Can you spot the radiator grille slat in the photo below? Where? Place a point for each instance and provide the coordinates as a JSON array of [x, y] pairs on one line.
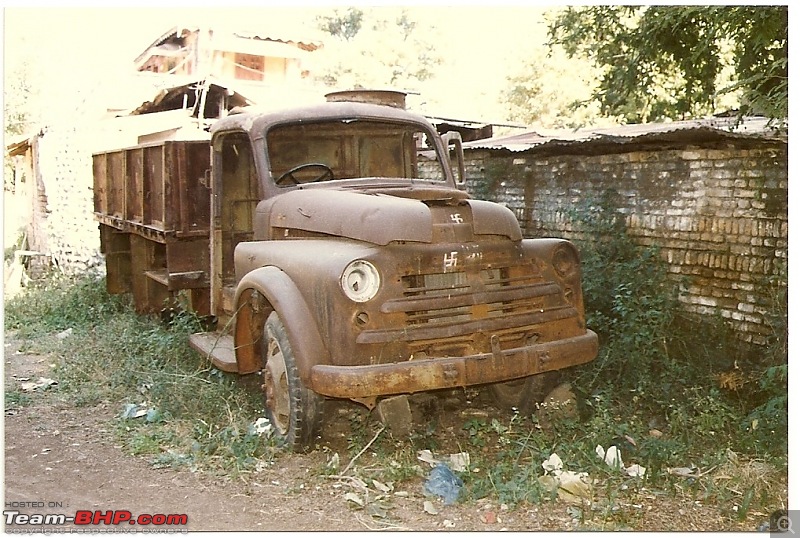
[[460, 297]]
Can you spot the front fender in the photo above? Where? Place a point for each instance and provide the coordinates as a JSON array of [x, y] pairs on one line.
[[283, 296]]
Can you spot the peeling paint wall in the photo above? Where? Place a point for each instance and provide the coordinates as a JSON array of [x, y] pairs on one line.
[[719, 215]]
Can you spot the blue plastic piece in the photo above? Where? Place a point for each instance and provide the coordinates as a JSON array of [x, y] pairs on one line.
[[444, 483]]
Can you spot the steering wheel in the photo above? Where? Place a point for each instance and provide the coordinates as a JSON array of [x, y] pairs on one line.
[[326, 174]]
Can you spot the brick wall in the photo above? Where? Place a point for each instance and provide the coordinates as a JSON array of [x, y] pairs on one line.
[[719, 214]]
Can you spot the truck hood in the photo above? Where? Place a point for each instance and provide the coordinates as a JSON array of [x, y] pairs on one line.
[[380, 218]]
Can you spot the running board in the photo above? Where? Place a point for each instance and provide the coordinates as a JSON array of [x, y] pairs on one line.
[[217, 347]]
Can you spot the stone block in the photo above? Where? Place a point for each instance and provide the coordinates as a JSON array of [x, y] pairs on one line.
[[395, 413]]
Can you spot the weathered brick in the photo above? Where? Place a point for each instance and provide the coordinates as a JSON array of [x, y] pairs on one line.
[[713, 214]]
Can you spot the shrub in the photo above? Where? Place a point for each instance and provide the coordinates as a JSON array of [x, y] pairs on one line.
[[659, 361]]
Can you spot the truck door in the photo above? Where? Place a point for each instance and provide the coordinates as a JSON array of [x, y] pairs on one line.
[[235, 196]]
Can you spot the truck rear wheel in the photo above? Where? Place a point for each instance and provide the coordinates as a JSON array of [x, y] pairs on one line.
[[294, 410], [523, 394]]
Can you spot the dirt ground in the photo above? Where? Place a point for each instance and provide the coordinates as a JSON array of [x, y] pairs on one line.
[[64, 458]]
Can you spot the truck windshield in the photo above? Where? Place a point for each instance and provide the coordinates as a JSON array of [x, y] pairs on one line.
[[347, 149]]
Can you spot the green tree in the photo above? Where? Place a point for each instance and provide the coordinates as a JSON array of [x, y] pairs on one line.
[[18, 110], [344, 25], [681, 61], [374, 48], [549, 91], [18, 93]]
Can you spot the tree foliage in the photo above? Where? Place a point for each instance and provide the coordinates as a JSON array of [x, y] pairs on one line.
[[549, 91], [375, 47], [17, 103], [343, 25], [681, 61]]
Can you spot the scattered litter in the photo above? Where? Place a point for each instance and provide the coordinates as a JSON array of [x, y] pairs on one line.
[[134, 411], [262, 427], [354, 498], [635, 470], [429, 508], [43, 383], [552, 464], [333, 462], [656, 433], [458, 462], [685, 472], [570, 486], [64, 334], [153, 415], [386, 488], [612, 456], [448, 524], [613, 459], [427, 457], [444, 483]]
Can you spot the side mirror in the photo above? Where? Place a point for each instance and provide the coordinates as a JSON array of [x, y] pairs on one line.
[[455, 151]]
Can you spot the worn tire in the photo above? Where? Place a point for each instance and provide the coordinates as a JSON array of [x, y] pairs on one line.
[[524, 394], [294, 410]]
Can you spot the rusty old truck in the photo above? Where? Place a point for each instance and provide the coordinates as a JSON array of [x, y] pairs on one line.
[[338, 253]]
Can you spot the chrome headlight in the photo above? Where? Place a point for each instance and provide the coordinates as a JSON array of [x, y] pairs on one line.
[[360, 281]]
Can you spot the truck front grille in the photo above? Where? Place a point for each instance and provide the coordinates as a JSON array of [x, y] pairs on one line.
[[456, 313], [446, 298]]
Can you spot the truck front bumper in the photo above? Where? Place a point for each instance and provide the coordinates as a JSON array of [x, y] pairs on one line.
[[451, 372]]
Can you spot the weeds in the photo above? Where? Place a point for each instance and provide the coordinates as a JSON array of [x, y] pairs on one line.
[[115, 356], [652, 391], [663, 365]]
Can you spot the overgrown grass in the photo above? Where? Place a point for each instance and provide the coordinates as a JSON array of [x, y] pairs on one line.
[[200, 416], [663, 365], [654, 390]]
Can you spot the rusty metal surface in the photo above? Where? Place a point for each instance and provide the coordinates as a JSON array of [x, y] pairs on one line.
[[452, 372], [257, 122], [392, 98], [459, 297], [354, 215]]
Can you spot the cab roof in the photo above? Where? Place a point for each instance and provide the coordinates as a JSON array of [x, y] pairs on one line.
[[258, 121]]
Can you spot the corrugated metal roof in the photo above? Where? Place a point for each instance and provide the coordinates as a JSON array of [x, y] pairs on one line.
[[670, 132], [287, 36]]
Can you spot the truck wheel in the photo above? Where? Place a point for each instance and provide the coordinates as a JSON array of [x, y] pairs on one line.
[[523, 394], [293, 410]]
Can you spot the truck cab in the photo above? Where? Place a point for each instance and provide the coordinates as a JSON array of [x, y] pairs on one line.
[[346, 260]]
